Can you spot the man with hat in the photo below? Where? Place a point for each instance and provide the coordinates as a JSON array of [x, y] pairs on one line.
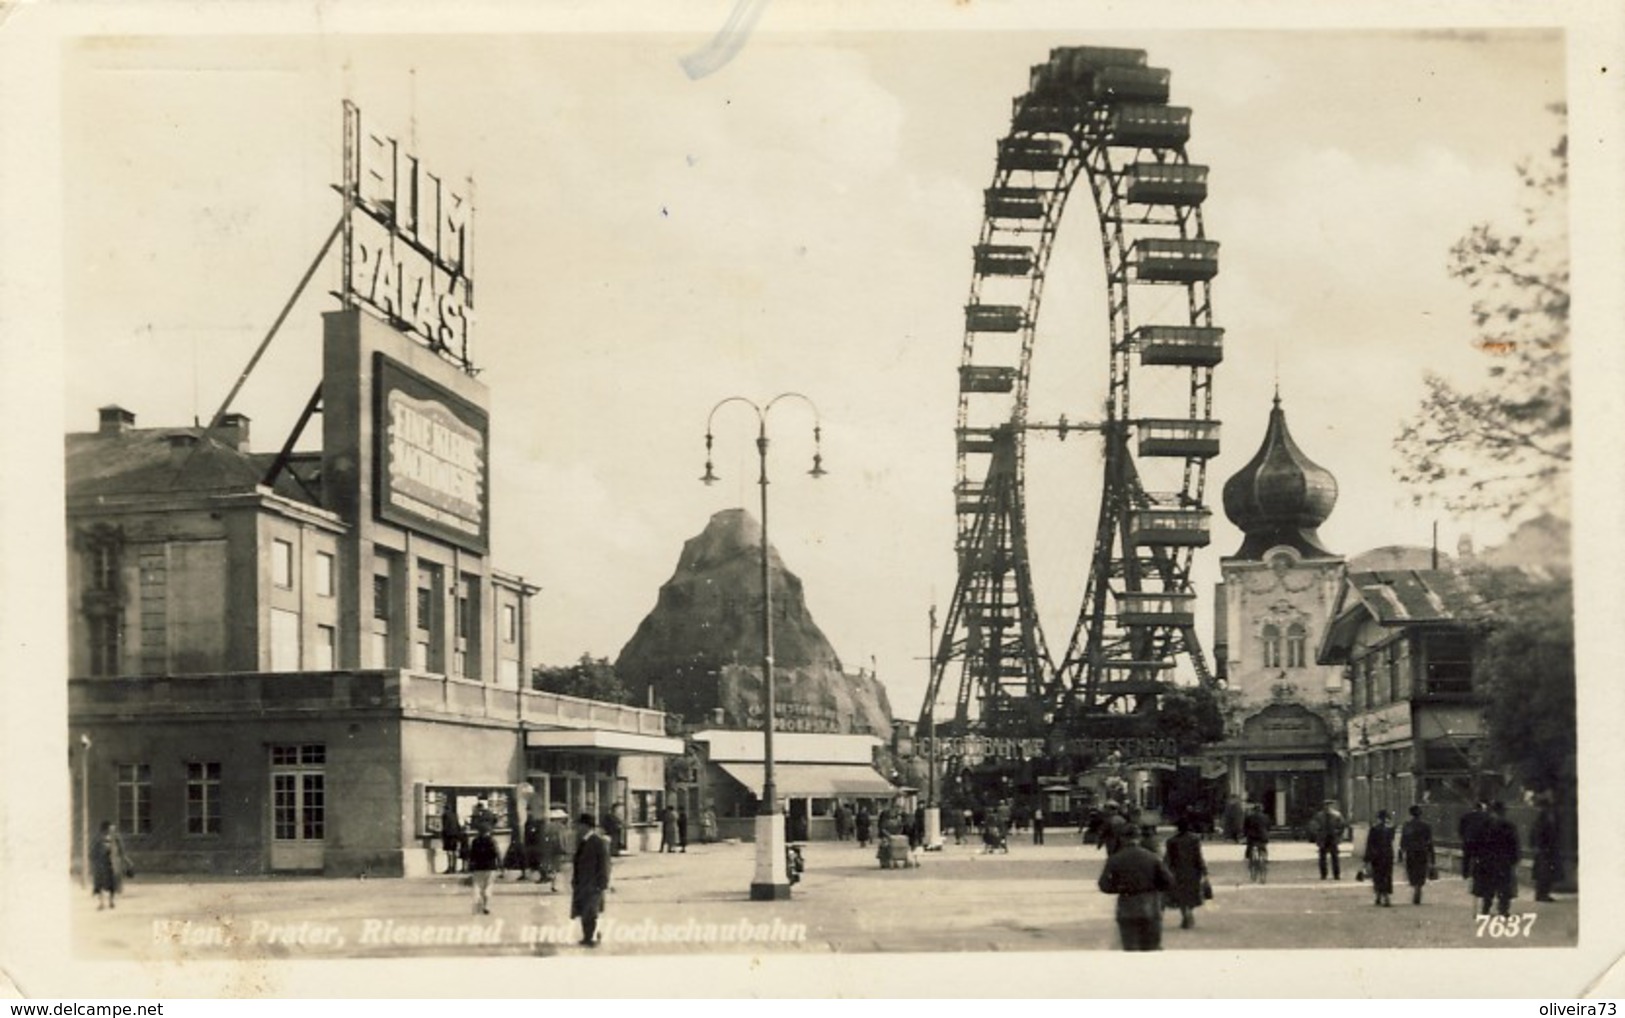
[[1139, 879], [1327, 828], [1495, 862], [590, 877], [1112, 827]]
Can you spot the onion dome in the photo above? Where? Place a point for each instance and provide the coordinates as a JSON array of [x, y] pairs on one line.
[[1281, 496]]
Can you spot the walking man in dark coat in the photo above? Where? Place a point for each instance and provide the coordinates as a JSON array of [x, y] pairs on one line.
[[668, 830], [1183, 853], [1327, 827], [1416, 849], [590, 878], [1495, 862], [1139, 879], [453, 842], [535, 827], [1379, 858]]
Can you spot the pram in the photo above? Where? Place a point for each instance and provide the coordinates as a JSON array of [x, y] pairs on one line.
[[994, 838]]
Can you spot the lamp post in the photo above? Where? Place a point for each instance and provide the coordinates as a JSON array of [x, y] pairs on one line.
[[84, 808], [933, 809], [771, 881]]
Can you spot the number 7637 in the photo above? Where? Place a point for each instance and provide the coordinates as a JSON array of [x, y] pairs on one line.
[[1506, 925]]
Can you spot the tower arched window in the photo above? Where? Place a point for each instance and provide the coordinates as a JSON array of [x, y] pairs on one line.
[[1271, 637], [1297, 639]]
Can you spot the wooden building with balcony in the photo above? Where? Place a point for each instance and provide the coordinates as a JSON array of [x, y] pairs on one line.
[[1407, 642]]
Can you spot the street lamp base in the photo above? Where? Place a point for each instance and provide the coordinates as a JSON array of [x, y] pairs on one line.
[[933, 827], [771, 881], [769, 892]]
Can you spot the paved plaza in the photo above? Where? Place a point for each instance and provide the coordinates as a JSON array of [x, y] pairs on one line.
[[1035, 898]]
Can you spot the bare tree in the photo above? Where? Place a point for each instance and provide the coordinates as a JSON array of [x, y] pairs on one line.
[[1505, 446]]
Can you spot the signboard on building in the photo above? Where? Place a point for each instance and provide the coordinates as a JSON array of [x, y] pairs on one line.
[[407, 241], [433, 458], [797, 717]]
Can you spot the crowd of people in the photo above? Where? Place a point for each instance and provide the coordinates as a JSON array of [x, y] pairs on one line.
[[1145, 882]]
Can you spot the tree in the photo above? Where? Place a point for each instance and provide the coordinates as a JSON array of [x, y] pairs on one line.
[[1505, 446], [589, 678], [1526, 670], [1191, 715]]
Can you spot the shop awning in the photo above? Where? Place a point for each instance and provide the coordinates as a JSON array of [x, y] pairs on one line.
[[821, 781], [586, 740]]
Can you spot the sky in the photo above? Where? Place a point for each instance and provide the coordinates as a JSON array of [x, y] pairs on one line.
[[647, 243]]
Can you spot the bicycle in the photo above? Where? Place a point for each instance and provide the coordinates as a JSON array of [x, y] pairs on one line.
[[1258, 861]]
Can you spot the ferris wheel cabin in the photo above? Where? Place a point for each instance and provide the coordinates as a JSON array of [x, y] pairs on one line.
[[1039, 155], [1004, 259], [1017, 202], [1174, 260], [1179, 345], [1178, 184], [986, 378], [1146, 126], [1170, 528], [994, 318], [978, 439], [1178, 437], [1148, 608]]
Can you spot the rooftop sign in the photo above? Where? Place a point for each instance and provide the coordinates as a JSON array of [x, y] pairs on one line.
[[407, 241]]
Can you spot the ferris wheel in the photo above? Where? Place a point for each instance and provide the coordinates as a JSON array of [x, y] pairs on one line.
[[1098, 116]]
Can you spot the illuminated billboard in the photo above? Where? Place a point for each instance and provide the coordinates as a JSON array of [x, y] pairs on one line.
[[433, 458]]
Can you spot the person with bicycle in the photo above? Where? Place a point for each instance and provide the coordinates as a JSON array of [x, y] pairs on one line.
[[1255, 831]]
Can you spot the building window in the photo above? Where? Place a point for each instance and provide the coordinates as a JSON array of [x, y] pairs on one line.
[[425, 612], [135, 798], [323, 653], [510, 623], [105, 643], [310, 754], [103, 561], [324, 574], [203, 798], [465, 621], [284, 640], [1296, 640], [1391, 664], [1368, 676], [380, 598], [1272, 646], [282, 564], [299, 792], [1449, 663]]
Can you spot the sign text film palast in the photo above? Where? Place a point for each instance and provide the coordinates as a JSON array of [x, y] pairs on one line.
[[407, 256]]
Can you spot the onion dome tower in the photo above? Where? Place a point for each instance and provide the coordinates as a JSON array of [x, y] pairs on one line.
[[1281, 496]]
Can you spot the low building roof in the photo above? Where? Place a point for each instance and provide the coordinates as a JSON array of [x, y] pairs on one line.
[[1396, 598], [160, 461]]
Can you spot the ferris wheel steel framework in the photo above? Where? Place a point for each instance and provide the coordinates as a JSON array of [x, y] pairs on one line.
[[1102, 116]]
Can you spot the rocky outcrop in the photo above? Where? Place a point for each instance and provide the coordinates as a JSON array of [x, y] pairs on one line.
[[699, 652]]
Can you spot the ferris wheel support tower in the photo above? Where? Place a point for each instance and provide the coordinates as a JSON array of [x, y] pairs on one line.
[[1100, 117]]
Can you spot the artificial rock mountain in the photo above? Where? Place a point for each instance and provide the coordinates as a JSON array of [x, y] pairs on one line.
[[700, 650]]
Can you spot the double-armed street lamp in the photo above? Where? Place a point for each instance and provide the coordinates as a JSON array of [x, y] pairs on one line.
[[771, 881]]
